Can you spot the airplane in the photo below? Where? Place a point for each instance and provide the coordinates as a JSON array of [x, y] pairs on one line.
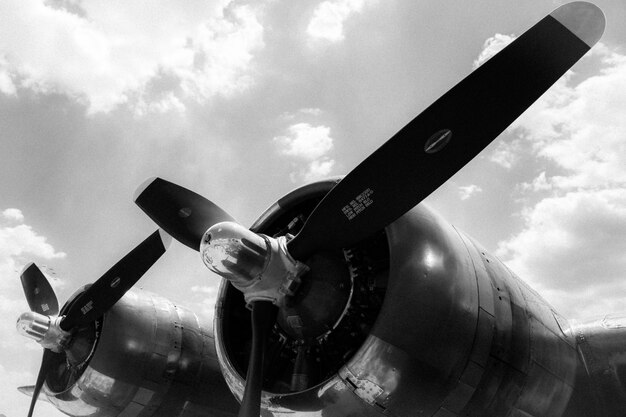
[[346, 297]]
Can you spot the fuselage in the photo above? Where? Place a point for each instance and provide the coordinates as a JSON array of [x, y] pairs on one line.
[[457, 334]]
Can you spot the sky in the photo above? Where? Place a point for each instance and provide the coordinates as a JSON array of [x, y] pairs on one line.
[[244, 101]]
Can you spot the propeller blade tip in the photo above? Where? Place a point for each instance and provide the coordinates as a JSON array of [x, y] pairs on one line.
[[142, 188], [585, 20], [26, 267]]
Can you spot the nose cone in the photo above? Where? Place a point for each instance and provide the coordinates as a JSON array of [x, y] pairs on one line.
[[33, 325], [234, 252]]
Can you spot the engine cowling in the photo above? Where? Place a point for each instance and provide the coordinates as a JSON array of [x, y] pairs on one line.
[[145, 356], [431, 324]]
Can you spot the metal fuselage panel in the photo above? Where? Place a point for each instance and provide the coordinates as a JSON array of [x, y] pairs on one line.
[[601, 382], [459, 334], [153, 358]]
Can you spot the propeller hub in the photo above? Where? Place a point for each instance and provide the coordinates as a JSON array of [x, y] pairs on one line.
[[257, 265], [45, 330]]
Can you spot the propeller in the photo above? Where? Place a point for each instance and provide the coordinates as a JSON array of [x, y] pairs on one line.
[[402, 172], [39, 294], [111, 286], [54, 333], [182, 213]]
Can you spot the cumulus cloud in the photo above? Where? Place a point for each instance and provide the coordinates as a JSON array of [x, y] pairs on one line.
[[19, 245], [18, 241], [309, 146], [573, 243], [305, 141], [13, 214], [467, 191], [108, 55], [330, 16], [492, 46], [6, 80]]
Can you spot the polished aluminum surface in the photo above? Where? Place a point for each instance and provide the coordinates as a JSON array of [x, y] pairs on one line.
[[152, 358], [45, 330]]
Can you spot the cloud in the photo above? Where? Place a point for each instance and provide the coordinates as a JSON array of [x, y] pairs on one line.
[[506, 154], [572, 246], [13, 214], [492, 46], [308, 145], [467, 191], [106, 56], [6, 79], [305, 141], [329, 17], [19, 241]]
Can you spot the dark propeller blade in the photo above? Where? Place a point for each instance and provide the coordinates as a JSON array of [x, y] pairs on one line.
[[39, 294], [182, 213], [109, 288], [263, 319], [448, 134], [46, 363]]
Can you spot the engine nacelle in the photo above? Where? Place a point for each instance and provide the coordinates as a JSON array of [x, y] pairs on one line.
[[432, 325], [145, 356]]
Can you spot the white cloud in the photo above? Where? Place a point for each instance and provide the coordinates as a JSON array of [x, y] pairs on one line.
[[572, 247], [492, 46], [316, 170], [305, 141], [108, 55], [329, 17], [467, 191], [13, 214], [540, 183], [310, 146], [19, 241], [574, 244], [6, 80], [506, 154]]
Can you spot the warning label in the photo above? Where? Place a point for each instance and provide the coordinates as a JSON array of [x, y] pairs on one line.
[[359, 204]]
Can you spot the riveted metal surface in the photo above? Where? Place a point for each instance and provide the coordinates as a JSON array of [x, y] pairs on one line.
[[530, 357], [544, 393], [149, 355], [602, 346], [431, 312]]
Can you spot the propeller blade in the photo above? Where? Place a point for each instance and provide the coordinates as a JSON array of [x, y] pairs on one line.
[[263, 319], [39, 294], [109, 288], [46, 363], [451, 132], [182, 213]]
